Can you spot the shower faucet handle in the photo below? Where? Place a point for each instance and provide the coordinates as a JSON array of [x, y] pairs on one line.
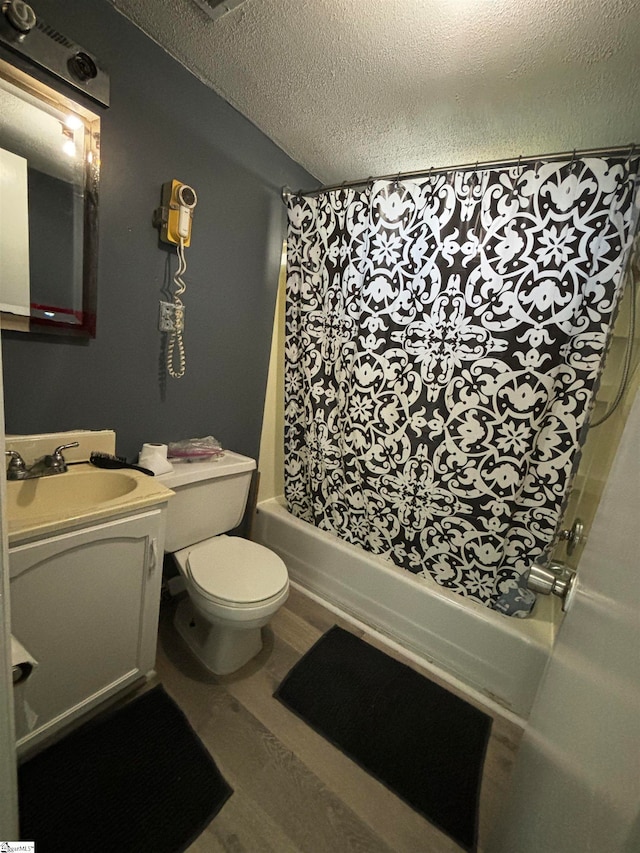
[[574, 536]]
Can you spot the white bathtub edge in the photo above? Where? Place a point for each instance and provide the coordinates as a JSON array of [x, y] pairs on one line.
[[493, 708], [500, 659]]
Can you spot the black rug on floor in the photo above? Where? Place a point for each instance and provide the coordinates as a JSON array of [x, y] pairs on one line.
[[415, 737], [137, 780]]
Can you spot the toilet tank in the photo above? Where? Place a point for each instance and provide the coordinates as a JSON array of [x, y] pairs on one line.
[[210, 498]]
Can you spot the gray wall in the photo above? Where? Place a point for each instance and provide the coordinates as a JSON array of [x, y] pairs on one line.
[[163, 124]]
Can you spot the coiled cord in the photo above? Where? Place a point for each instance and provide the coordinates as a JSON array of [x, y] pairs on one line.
[[176, 340]]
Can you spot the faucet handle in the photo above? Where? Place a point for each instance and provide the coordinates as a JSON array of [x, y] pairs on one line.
[[57, 453], [16, 462], [57, 461]]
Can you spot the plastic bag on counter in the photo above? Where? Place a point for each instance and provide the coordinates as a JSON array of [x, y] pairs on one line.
[[195, 449]]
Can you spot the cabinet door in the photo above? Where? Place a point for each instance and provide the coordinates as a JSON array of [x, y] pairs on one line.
[[85, 605]]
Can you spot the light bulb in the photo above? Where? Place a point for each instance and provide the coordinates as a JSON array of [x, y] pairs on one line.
[[73, 122]]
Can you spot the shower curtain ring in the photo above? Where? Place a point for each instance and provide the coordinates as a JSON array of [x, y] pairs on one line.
[[431, 187], [516, 180], [572, 164], [632, 149]]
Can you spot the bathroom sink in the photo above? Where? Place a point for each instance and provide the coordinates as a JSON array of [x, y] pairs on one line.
[[83, 492], [44, 494]]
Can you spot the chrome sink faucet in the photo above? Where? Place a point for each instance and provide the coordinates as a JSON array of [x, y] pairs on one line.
[[53, 463]]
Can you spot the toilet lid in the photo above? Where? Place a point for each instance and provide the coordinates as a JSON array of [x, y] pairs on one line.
[[236, 570]]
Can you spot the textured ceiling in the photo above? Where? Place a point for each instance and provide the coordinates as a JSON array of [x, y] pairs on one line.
[[352, 88]]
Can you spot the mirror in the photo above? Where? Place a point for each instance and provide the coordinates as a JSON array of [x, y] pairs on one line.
[[49, 174]]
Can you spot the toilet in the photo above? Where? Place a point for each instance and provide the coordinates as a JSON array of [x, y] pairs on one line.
[[234, 586]]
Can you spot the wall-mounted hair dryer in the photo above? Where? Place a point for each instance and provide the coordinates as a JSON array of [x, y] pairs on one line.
[[175, 214], [174, 218], [187, 200]]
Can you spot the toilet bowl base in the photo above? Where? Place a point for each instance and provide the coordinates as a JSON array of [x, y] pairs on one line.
[[222, 649]]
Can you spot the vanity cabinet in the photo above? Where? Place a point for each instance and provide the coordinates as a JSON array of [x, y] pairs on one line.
[[85, 605]]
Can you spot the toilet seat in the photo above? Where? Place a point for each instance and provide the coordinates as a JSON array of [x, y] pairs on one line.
[[235, 572]]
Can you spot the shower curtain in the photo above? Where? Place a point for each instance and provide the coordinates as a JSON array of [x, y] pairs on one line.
[[444, 338]]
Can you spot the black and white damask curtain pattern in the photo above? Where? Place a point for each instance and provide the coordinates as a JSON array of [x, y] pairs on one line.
[[444, 337]]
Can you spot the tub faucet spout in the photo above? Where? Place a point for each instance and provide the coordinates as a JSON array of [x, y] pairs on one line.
[[554, 578]]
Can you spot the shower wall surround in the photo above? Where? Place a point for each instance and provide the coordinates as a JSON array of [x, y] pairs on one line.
[[444, 339]]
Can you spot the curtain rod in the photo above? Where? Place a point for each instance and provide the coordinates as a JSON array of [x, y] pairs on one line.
[[465, 167]]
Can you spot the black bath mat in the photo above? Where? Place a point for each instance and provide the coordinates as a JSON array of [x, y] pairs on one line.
[[415, 737], [137, 780]]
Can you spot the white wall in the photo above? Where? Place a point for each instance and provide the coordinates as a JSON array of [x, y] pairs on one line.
[[8, 776], [576, 785]]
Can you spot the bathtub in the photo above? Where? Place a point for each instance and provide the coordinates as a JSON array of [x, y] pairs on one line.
[[500, 657]]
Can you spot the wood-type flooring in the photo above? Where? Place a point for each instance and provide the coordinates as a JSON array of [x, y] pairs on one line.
[[293, 791]]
